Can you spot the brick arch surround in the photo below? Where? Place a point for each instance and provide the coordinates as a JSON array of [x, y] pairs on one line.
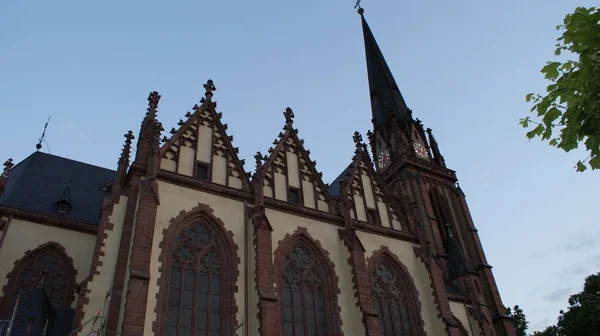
[[228, 250], [47, 248], [410, 290], [332, 308]]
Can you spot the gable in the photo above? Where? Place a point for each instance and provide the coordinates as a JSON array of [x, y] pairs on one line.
[[202, 149], [289, 175], [365, 193]]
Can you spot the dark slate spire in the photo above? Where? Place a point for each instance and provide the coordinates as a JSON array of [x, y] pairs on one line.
[[386, 99]]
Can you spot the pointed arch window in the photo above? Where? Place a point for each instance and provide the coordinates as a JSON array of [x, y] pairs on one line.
[[390, 302], [49, 268], [395, 297], [303, 294], [195, 284]]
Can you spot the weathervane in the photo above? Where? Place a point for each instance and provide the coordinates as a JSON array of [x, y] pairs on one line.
[[357, 4], [43, 138]]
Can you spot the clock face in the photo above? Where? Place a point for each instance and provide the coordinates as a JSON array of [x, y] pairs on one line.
[[384, 159], [421, 150]]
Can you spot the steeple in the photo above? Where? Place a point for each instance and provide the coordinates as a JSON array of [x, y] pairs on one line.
[[386, 99]]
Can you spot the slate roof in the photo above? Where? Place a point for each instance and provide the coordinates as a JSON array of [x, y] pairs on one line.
[[39, 181], [335, 187]]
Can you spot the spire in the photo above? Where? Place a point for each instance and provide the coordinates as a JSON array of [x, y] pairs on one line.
[[123, 163], [386, 99]]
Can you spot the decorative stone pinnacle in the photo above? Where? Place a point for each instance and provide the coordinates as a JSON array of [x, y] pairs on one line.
[[7, 166], [357, 138], [259, 158], [210, 88], [129, 136], [289, 116], [154, 98]]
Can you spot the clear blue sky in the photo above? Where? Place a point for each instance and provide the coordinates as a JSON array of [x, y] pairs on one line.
[[464, 68]]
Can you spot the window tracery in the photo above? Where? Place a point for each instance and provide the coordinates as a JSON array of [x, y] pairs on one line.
[[49, 271], [303, 294], [194, 293], [390, 301]]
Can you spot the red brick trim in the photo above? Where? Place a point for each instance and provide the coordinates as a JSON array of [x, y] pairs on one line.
[[4, 226], [332, 290], [12, 276], [461, 326], [361, 282], [410, 290], [268, 308], [105, 224], [118, 290], [229, 254]]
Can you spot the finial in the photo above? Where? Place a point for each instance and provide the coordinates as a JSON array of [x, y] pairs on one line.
[[289, 116], [357, 138], [360, 9], [126, 147], [210, 88], [153, 99], [259, 158], [7, 166]]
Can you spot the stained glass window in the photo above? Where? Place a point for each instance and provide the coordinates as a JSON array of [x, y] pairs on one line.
[[49, 271], [390, 302], [194, 293], [302, 294]]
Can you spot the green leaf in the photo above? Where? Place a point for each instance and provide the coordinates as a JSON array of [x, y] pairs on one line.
[[536, 131], [580, 166], [595, 162], [524, 122], [528, 97], [552, 114], [551, 70], [554, 142]]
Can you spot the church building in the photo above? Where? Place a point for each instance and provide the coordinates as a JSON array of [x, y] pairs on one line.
[[181, 240]]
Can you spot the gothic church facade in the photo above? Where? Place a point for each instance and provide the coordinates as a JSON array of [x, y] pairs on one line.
[[183, 241]]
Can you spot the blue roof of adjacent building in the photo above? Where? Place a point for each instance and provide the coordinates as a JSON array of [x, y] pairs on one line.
[[37, 183], [335, 187]]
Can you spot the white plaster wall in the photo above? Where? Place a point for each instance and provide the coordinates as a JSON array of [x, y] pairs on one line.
[[102, 282], [460, 312], [404, 251], [328, 236], [175, 199], [22, 236]]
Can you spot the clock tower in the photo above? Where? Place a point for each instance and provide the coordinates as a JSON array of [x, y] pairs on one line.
[[410, 165]]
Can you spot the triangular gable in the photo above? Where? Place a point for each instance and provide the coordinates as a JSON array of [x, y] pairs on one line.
[[289, 175], [364, 190], [202, 149]]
